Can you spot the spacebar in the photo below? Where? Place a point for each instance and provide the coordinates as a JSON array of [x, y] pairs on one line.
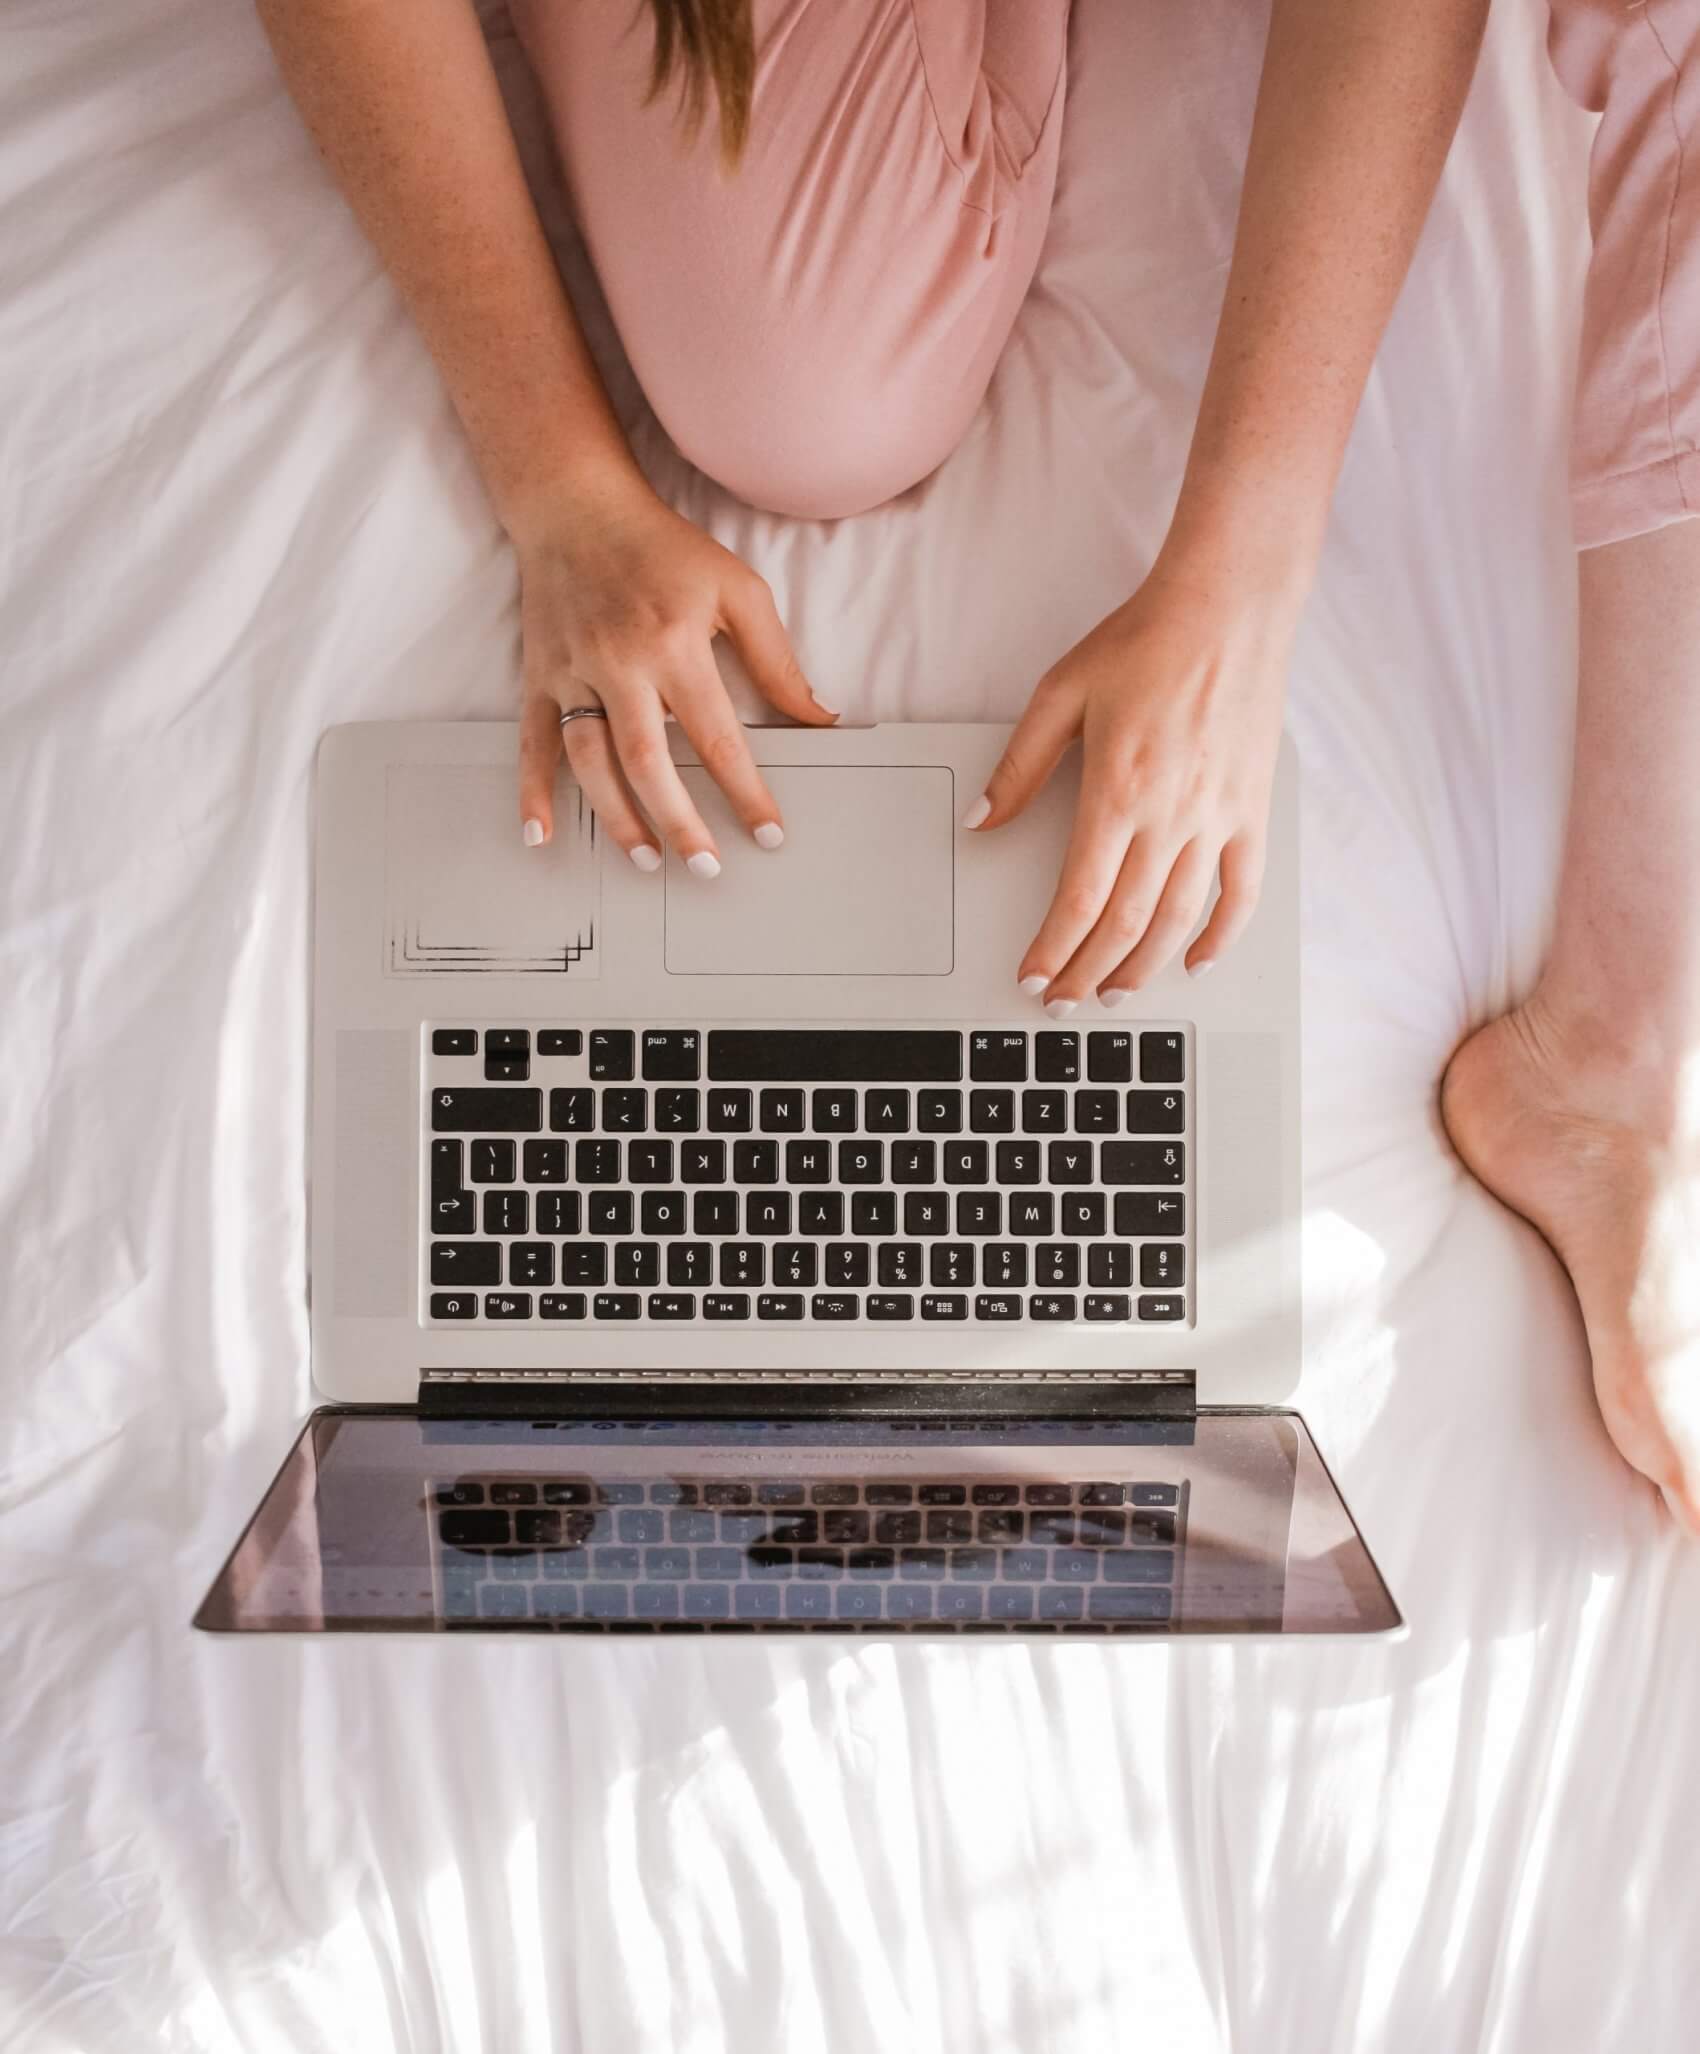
[[833, 1055]]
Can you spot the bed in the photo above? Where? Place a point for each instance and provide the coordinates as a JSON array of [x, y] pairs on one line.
[[234, 509]]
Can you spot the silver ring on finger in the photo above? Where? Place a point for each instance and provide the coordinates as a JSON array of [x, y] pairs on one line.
[[583, 713]]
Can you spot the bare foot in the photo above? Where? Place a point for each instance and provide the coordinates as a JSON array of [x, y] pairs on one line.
[[1598, 1160]]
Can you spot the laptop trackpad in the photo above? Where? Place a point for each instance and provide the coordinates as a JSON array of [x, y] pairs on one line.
[[863, 887]]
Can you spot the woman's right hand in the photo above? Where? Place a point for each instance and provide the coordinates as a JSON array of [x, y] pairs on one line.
[[620, 602]]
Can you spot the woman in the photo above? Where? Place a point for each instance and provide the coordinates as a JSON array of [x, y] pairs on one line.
[[813, 269]]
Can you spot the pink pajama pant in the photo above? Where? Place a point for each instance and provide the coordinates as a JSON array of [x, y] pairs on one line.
[[817, 330]]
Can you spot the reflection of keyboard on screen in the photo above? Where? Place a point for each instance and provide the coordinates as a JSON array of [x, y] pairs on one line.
[[668, 1175], [679, 1552]]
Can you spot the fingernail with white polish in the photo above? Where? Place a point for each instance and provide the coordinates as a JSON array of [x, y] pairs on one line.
[[769, 835], [1199, 969], [1113, 997], [1060, 1008], [533, 833], [702, 864], [977, 812], [646, 858], [1033, 985]]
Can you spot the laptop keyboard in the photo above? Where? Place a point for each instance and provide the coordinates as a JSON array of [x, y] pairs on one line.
[[668, 1175], [996, 1552]]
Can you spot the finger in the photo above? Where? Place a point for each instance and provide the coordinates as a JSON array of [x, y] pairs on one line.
[[1103, 828], [1044, 731], [539, 755], [758, 634], [702, 708], [640, 741], [1176, 914], [590, 758], [1242, 882], [1132, 900]]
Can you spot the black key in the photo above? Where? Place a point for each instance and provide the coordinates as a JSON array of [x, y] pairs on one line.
[[1162, 1308], [890, 1305], [617, 1305], [649, 1162], [742, 1263], [506, 1069], [1018, 1162], [779, 1305], [943, 1494], [507, 1305], [730, 1112], [1114, 1305], [938, 1112], [956, 1525], [1143, 1162], [991, 1112], [1005, 1601], [672, 1055], [493, 1162], [784, 1112], [1044, 1112], [834, 1055], [926, 1212], [861, 1162], [820, 1213], [794, 1264], [531, 1262], [560, 1041], [562, 1305], [847, 1265], [1004, 1266], [610, 1212], [1070, 1162], [1109, 1057], [447, 1159], [1149, 1213], [454, 1041], [1142, 1607], [714, 1212], [914, 1162], [1083, 1212], [885, 1112], [830, 1305], [996, 1305], [1156, 1112], [767, 1212], [572, 1112], [808, 1162], [703, 1162], [979, 1212], [755, 1162], [725, 1305], [678, 1111], [596, 1162], [934, 1306], [637, 1263], [1153, 1494], [454, 1213], [1053, 1306], [873, 1212], [545, 1162], [473, 1529], [672, 1305], [1048, 1494], [900, 1262], [506, 1212], [1097, 1112], [1032, 1214], [875, 1493], [1073, 1565], [994, 1494], [486, 1109], [966, 1162], [1162, 1267], [584, 1262], [1162, 1058], [613, 1054], [453, 1304], [951, 1263], [625, 1111], [1056, 1058], [833, 1112], [997, 1058], [1056, 1266], [690, 1262]]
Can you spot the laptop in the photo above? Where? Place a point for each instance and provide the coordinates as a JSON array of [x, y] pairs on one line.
[[749, 1256]]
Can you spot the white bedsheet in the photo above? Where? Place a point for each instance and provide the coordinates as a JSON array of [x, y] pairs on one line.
[[234, 509]]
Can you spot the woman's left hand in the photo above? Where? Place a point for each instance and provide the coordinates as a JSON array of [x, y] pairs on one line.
[[1177, 699]]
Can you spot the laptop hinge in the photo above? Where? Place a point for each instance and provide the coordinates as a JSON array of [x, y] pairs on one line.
[[806, 1394]]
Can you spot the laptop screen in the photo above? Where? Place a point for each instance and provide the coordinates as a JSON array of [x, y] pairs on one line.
[[1226, 1523]]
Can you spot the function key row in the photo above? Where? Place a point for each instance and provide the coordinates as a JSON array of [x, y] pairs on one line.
[[789, 1305]]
